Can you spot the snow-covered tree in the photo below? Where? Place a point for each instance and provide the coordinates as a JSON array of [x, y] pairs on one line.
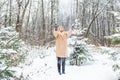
[[10, 51], [80, 54]]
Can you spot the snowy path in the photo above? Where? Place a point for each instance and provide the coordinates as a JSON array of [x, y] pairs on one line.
[[46, 69]]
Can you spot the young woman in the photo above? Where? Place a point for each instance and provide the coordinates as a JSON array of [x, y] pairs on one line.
[[61, 47]]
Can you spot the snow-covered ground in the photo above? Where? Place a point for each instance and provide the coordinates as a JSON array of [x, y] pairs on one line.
[[37, 67]]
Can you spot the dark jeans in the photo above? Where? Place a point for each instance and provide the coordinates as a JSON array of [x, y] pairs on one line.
[[61, 64]]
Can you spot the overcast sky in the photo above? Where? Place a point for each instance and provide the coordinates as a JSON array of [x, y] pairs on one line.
[[65, 6]]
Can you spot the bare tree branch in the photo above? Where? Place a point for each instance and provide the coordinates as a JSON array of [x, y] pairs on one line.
[[95, 18]]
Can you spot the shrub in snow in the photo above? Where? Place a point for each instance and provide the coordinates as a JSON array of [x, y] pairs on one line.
[[114, 56], [10, 51], [115, 39], [80, 54], [116, 67]]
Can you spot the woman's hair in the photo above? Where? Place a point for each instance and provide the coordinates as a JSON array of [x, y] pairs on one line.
[[61, 28]]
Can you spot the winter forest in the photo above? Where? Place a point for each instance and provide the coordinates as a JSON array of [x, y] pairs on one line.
[[27, 42]]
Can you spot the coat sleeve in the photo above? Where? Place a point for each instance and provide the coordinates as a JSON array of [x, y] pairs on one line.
[[69, 32], [55, 33]]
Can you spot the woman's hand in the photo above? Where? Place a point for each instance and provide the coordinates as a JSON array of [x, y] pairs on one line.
[[72, 27], [56, 27]]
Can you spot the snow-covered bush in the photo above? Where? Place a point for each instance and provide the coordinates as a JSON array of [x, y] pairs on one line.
[[80, 54], [114, 38], [10, 51], [111, 53], [114, 56]]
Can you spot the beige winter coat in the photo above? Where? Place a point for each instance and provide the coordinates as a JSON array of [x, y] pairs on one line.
[[61, 42]]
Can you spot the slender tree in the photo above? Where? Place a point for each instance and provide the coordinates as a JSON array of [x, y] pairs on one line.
[[43, 23], [10, 12]]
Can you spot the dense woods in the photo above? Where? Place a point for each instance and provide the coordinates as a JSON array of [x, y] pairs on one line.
[[35, 19], [27, 44]]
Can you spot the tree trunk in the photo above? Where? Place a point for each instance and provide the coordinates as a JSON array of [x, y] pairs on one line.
[[97, 14], [43, 25], [77, 9], [5, 22], [10, 12], [18, 24], [52, 20]]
